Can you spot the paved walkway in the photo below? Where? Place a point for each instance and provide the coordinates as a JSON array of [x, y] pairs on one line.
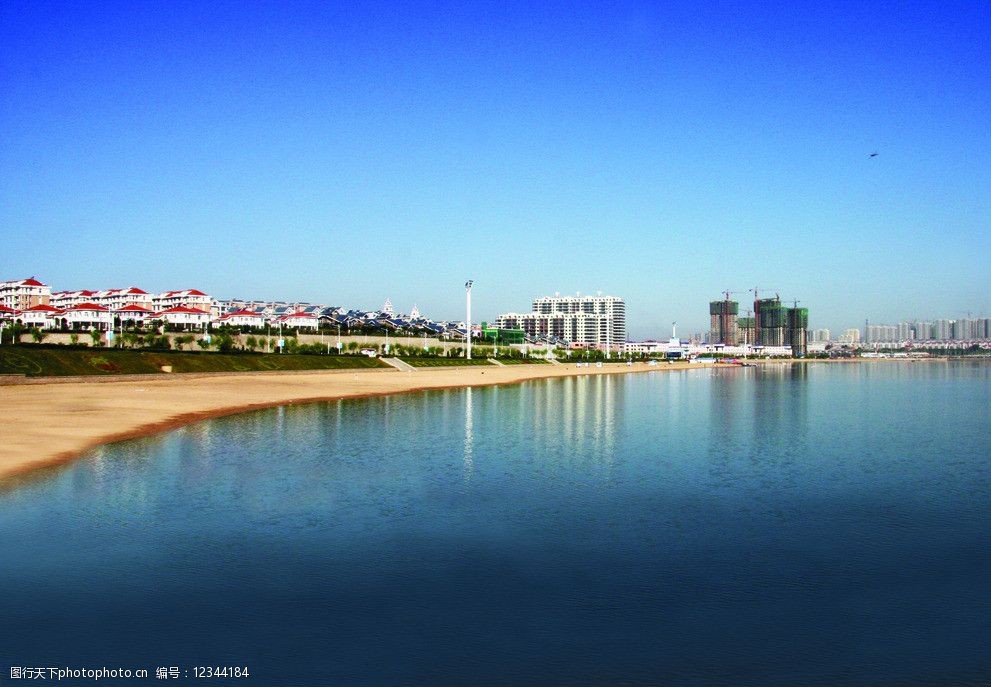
[[399, 364]]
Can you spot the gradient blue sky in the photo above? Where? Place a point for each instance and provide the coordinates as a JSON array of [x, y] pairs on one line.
[[349, 152]]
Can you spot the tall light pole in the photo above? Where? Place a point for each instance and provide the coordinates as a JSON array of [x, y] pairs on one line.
[[468, 323]]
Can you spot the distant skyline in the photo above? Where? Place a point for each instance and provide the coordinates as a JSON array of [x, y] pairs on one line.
[[352, 153]]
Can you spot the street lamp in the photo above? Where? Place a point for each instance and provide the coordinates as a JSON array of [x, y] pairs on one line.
[[468, 323]]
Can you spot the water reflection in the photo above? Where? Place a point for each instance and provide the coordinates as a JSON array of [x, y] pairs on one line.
[[577, 417], [469, 437]]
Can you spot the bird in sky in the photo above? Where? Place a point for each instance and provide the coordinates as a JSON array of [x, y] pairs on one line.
[[874, 154]]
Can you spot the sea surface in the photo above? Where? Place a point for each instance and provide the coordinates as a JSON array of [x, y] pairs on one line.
[[788, 525]]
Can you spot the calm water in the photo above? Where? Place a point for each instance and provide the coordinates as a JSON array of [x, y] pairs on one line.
[[820, 525]]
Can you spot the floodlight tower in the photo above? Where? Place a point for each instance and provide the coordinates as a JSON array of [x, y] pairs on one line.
[[468, 320]]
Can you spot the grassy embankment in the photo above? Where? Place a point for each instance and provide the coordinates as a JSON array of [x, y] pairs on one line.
[[523, 361], [462, 362], [40, 361], [445, 362]]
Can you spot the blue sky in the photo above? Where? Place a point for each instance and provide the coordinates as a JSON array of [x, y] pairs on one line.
[[349, 152]]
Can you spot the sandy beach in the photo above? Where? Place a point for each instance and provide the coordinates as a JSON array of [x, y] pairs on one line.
[[54, 422]]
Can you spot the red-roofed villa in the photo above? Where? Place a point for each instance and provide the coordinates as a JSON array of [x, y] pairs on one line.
[[297, 320], [41, 316], [87, 316], [183, 317], [241, 318]]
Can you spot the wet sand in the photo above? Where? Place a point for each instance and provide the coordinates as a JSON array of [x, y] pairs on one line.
[[49, 423]]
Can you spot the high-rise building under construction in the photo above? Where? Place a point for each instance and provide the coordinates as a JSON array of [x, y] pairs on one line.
[[723, 322], [773, 324]]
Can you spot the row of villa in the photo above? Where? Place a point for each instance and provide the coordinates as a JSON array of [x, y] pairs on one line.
[[32, 303]]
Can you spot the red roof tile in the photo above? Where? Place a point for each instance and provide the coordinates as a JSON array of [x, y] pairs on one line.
[[88, 306], [241, 313], [181, 309]]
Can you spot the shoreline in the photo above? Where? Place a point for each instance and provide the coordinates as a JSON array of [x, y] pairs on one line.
[[53, 422]]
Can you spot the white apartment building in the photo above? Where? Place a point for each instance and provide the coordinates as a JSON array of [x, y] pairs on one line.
[[590, 320], [116, 299], [22, 294], [578, 328], [187, 298], [68, 299]]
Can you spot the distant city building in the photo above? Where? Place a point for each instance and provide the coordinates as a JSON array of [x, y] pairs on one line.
[[880, 333], [943, 330], [591, 320], [820, 336], [961, 330], [850, 336]]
